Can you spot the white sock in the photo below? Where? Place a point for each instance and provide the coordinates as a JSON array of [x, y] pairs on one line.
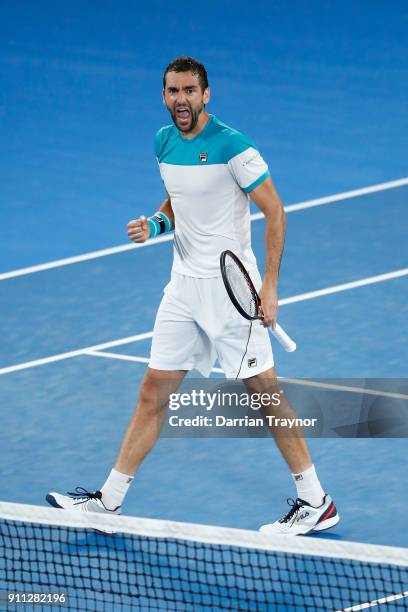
[[308, 487], [115, 489]]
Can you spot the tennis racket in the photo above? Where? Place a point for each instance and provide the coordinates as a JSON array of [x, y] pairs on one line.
[[244, 296]]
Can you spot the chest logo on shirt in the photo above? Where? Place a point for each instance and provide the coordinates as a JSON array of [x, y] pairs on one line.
[[203, 157]]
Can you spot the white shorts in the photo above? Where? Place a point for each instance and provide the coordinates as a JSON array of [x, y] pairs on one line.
[[197, 322]]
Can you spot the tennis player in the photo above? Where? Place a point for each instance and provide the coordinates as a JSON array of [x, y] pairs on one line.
[[209, 171]]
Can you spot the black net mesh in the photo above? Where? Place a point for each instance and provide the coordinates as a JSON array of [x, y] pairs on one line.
[[135, 572]]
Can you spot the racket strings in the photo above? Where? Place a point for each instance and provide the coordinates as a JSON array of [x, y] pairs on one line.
[[242, 290]]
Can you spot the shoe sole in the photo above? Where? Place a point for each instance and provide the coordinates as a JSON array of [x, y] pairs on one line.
[[328, 524]]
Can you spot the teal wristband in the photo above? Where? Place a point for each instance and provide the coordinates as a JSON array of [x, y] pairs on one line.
[[159, 224]]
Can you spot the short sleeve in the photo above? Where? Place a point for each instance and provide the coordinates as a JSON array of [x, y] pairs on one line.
[[158, 144], [246, 163], [159, 147], [161, 176]]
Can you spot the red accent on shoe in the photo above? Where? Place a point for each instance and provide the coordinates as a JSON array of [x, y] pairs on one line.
[[331, 510]]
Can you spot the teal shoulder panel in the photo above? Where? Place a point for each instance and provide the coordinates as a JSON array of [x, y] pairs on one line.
[[161, 138], [234, 142], [217, 143]]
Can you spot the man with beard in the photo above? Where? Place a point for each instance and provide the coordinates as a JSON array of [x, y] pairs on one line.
[[208, 170]]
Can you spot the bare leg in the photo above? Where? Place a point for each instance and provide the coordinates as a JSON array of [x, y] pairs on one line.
[[292, 446], [146, 422]]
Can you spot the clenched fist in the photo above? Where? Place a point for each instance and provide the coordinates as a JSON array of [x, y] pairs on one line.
[[138, 230]]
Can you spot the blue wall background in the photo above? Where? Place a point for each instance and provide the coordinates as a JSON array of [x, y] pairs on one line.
[[320, 86]]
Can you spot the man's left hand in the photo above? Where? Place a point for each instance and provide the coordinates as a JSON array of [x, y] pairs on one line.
[[269, 303]]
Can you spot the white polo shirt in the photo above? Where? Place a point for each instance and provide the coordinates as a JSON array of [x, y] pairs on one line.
[[208, 179]]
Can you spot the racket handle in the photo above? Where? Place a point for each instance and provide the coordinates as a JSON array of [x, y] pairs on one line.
[[282, 337]]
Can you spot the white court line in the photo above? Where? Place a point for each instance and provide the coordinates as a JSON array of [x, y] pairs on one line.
[[338, 197], [291, 300], [122, 357], [375, 602], [58, 263], [119, 356], [370, 280], [291, 381], [77, 353], [348, 389], [154, 241]]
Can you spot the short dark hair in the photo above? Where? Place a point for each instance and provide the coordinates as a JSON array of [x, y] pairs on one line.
[[184, 63]]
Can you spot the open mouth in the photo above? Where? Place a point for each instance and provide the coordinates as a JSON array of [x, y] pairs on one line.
[[183, 114]]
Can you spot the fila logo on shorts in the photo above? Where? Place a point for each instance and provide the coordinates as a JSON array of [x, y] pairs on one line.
[[252, 362]]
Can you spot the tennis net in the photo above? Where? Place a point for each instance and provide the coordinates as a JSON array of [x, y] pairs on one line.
[[161, 565]]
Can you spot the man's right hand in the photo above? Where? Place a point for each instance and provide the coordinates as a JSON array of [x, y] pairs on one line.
[[138, 230]]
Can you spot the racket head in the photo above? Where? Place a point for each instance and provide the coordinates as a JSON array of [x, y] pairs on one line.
[[239, 286]]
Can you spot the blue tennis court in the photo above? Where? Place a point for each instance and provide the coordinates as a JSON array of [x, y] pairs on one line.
[[74, 410], [324, 100]]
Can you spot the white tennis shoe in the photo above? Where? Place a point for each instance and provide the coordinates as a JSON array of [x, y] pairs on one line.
[[303, 518], [81, 500]]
